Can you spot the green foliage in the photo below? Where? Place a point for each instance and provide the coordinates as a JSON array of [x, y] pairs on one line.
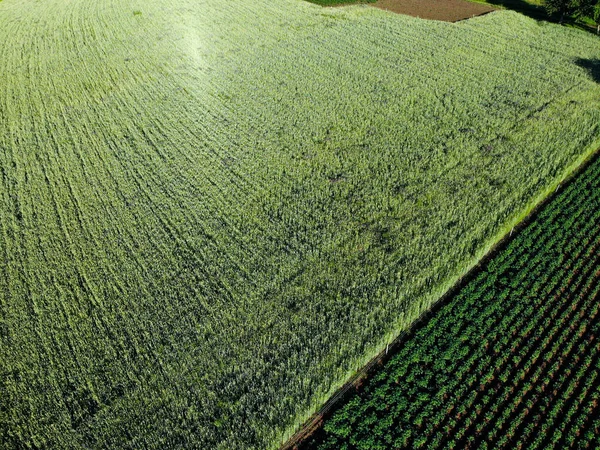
[[596, 13], [576, 8], [537, 390], [212, 213]]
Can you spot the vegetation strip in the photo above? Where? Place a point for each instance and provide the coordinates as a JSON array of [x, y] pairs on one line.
[[511, 358]]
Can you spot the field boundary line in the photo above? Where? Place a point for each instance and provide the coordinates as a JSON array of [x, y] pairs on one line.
[[524, 219]]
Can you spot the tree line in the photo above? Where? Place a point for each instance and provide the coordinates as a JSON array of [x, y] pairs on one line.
[[575, 9]]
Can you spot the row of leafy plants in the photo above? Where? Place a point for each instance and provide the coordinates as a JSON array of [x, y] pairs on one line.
[[510, 361]]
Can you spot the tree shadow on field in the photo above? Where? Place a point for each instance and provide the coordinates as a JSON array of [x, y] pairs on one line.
[[592, 66], [536, 12]]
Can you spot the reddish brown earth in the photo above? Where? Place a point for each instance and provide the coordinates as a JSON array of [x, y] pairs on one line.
[[446, 10]]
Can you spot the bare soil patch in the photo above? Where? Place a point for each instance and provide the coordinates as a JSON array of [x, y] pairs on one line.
[[446, 10]]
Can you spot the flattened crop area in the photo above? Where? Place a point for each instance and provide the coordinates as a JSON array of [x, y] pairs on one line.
[[513, 361], [213, 212]]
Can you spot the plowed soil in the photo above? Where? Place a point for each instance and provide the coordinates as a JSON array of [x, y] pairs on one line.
[[446, 10]]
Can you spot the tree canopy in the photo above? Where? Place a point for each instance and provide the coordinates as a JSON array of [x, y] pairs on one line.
[[575, 8]]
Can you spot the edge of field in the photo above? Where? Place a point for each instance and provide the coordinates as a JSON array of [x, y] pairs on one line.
[[389, 347]]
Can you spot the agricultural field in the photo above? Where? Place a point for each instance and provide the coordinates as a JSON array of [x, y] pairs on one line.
[[446, 10], [212, 213], [511, 361]]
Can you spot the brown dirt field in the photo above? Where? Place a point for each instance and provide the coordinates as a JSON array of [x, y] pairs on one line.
[[446, 10]]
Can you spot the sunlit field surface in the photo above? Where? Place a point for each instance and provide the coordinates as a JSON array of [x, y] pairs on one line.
[[213, 212]]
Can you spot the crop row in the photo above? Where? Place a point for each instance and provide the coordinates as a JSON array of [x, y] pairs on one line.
[[513, 360]]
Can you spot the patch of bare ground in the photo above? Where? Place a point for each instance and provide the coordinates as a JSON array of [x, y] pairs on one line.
[[446, 10]]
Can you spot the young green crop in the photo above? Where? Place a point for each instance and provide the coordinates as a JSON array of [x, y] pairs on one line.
[[457, 378], [213, 212]]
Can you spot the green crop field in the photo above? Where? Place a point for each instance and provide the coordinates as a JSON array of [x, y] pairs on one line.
[[213, 212], [512, 361]]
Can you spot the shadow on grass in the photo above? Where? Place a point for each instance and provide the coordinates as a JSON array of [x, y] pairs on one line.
[[538, 12], [592, 66], [534, 11]]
